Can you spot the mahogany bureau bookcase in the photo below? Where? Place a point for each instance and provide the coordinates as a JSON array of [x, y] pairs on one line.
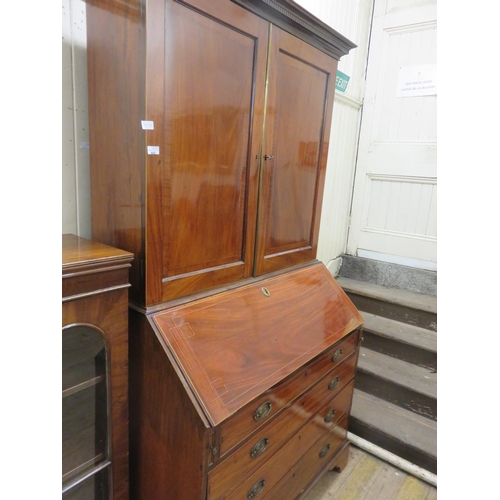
[[95, 452], [209, 130]]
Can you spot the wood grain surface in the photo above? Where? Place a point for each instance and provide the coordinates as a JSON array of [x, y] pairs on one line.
[[297, 131], [106, 313], [228, 132], [230, 347]]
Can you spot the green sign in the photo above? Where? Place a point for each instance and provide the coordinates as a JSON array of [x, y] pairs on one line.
[[341, 82]]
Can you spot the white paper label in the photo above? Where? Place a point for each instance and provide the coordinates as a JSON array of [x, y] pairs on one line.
[[417, 80], [147, 125], [153, 150]]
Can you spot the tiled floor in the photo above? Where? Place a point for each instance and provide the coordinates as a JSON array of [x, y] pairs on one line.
[[368, 478]]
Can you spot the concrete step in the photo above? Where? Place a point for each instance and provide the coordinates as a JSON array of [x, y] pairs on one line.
[[389, 274], [401, 383], [399, 340], [402, 432], [400, 305]]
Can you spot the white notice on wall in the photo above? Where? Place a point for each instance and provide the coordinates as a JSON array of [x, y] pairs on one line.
[[417, 80]]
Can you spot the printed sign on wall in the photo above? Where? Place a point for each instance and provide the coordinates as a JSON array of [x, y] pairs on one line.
[[417, 80], [341, 82]]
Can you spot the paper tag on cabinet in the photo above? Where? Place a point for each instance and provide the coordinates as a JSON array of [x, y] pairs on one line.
[[147, 125]]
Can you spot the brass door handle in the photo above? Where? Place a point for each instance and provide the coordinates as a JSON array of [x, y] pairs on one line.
[[333, 383], [268, 157], [256, 489], [330, 415], [262, 411], [324, 451], [337, 355], [259, 447]]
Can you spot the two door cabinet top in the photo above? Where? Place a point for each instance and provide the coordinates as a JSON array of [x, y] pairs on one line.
[[209, 131]]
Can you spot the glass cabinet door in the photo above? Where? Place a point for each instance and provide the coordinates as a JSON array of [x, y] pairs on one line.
[[85, 443]]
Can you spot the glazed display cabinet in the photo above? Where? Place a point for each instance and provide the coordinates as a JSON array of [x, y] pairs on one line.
[[94, 371]]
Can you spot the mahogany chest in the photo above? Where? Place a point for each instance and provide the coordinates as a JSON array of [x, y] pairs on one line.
[[244, 393]]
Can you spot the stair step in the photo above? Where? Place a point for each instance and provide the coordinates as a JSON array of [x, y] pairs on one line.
[[402, 341], [402, 432], [389, 274], [400, 305], [404, 384]]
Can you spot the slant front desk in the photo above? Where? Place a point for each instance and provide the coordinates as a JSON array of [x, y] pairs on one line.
[[245, 393]]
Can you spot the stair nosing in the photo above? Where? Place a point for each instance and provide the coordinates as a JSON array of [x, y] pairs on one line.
[[404, 298], [413, 424], [385, 327], [401, 372]]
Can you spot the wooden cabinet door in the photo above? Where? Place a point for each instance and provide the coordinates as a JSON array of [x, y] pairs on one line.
[[297, 130], [206, 98]]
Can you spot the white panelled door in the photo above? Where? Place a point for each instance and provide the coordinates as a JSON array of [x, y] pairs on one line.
[[393, 214]]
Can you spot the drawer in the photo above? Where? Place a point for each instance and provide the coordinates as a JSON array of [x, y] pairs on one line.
[[270, 438], [310, 465], [262, 409], [270, 473], [334, 410]]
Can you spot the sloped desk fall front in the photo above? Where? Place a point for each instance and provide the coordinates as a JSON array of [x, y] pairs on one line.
[[245, 393]]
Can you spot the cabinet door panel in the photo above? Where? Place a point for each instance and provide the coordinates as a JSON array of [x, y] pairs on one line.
[[213, 103], [298, 115], [207, 144]]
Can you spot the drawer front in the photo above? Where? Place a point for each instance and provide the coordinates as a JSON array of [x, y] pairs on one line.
[[269, 439], [315, 460], [333, 411], [263, 409], [263, 480]]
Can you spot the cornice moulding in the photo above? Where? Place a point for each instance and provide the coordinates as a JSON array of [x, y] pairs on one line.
[[293, 18]]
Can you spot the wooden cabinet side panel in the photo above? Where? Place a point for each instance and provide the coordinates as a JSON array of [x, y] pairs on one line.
[[108, 312], [169, 443], [116, 74]]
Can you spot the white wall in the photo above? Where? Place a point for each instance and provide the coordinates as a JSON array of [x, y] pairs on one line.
[[75, 153], [393, 217], [350, 17]]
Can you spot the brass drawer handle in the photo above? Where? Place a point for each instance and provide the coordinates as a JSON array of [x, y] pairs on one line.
[[337, 355], [334, 383], [324, 451], [329, 416], [259, 447], [256, 488], [262, 411]]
